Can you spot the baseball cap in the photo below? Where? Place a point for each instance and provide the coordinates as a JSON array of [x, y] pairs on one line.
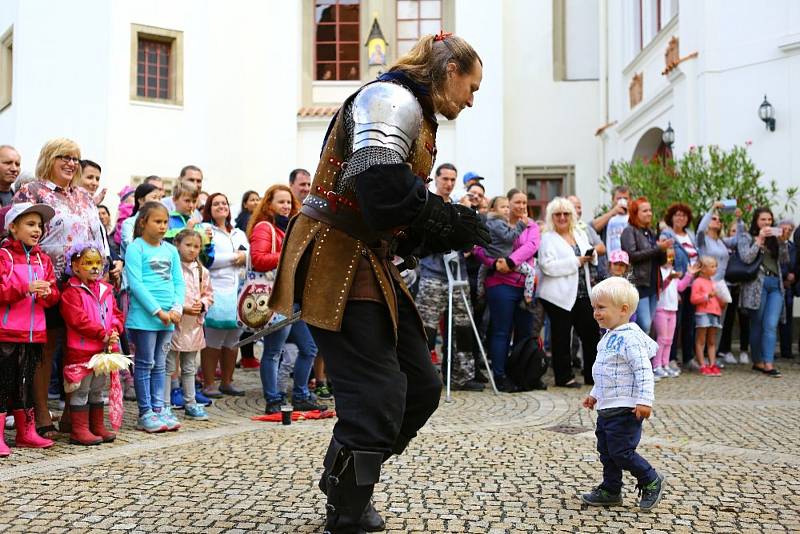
[[18, 210], [470, 176], [619, 256]]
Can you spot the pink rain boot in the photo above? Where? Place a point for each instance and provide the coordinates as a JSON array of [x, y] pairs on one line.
[[26, 431], [4, 450]]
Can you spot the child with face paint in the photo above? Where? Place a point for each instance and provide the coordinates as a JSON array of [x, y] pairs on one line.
[[93, 322], [27, 287]]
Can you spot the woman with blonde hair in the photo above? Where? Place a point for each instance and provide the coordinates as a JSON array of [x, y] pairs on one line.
[[565, 284], [76, 220]]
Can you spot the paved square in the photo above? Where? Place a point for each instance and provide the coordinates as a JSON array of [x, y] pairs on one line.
[[730, 448]]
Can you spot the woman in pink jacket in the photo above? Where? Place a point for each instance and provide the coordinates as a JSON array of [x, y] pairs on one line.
[[505, 286]]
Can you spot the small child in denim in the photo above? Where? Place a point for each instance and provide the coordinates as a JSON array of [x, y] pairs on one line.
[[623, 395]]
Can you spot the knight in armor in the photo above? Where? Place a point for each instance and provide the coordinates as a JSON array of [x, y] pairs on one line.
[[369, 202]]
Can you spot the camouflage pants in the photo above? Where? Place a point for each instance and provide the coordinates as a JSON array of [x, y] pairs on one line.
[[432, 305]]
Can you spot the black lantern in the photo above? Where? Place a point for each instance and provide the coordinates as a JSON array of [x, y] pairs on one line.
[[767, 114], [668, 135]]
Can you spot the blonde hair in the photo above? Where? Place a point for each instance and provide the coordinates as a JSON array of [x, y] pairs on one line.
[[426, 63], [558, 205], [706, 260], [618, 290], [185, 187], [60, 146]]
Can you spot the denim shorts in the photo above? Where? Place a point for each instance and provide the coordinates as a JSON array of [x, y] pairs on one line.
[[706, 320]]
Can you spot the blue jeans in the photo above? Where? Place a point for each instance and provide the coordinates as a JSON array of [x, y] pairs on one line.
[[764, 321], [617, 438], [149, 371], [506, 317], [298, 334], [645, 312]]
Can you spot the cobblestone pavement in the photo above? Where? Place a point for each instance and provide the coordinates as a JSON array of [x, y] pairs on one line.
[[729, 446]]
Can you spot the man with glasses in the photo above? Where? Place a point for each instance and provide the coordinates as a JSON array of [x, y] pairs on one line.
[[9, 171]]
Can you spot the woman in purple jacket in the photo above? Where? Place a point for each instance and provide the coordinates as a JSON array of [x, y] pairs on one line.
[[504, 286]]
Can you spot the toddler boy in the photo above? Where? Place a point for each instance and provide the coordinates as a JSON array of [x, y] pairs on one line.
[[623, 395]]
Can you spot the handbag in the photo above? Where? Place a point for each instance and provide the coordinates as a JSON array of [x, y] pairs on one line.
[[738, 271], [252, 311], [722, 291]]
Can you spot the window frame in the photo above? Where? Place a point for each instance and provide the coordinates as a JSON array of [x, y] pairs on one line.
[[418, 19], [563, 174], [174, 38], [6, 68], [337, 42]]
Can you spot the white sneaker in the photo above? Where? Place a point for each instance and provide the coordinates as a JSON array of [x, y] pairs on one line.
[[744, 358], [729, 358], [656, 378], [672, 372], [659, 373]]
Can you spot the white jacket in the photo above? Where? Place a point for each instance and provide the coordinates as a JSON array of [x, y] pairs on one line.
[[225, 276], [558, 268]]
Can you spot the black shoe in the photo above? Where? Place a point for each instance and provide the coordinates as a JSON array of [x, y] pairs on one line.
[[272, 407], [601, 497], [480, 377], [469, 385], [540, 386], [573, 384], [307, 405], [651, 494], [505, 385], [371, 520]]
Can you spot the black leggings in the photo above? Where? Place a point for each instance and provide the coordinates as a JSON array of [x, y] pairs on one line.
[[18, 363]]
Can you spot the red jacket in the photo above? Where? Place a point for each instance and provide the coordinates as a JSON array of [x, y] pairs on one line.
[[23, 318], [91, 314], [263, 241]]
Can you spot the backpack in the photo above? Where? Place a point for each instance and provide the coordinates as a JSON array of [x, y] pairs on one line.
[[527, 364]]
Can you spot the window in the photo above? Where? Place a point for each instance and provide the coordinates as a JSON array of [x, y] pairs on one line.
[[156, 65], [6, 67], [575, 36], [416, 18], [152, 69], [337, 40], [649, 18], [543, 184]]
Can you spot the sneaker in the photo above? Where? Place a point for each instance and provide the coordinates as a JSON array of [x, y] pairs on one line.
[[176, 398], [306, 405], [656, 378], [169, 419], [706, 370], [714, 370], [273, 407], [213, 393], [150, 422], [729, 358], [694, 366], [323, 392], [231, 390], [201, 398], [744, 358], [672, 372], [601, 497], [469, 385], [660, 372], [651, 494], [196, 412], [505, 384], [250, 363]]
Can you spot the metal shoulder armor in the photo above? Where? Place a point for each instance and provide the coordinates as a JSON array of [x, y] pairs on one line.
[[386, 115]]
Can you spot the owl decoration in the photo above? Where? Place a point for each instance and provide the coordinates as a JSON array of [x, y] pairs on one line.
[[253, 311]]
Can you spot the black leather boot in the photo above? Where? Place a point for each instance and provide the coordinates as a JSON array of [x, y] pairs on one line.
[[348, 481]]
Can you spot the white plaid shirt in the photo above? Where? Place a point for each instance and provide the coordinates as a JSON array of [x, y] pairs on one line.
[[623, 375]]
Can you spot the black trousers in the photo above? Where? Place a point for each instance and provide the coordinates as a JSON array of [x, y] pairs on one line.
[[731, 312], [580, 317], [18, 363], [385, 392]]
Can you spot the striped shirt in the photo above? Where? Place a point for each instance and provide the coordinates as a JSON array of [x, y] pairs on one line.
[[623, 375]]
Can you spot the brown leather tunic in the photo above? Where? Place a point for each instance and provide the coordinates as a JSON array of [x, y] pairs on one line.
[[330, 257]]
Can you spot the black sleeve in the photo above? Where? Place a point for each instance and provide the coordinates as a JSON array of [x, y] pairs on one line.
[[390, 195]]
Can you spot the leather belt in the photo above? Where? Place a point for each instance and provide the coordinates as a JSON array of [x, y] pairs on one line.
[[350, 223], [766, 271]]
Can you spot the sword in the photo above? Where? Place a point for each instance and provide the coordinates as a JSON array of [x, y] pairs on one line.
[[274, 327]]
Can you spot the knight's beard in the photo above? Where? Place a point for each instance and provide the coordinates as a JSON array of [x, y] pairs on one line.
[[445, 106]]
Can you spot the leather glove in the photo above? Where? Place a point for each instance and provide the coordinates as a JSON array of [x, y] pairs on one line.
[[458, 226]]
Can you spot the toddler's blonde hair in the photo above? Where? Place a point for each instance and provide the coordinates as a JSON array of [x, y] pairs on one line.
[[618, 290]]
